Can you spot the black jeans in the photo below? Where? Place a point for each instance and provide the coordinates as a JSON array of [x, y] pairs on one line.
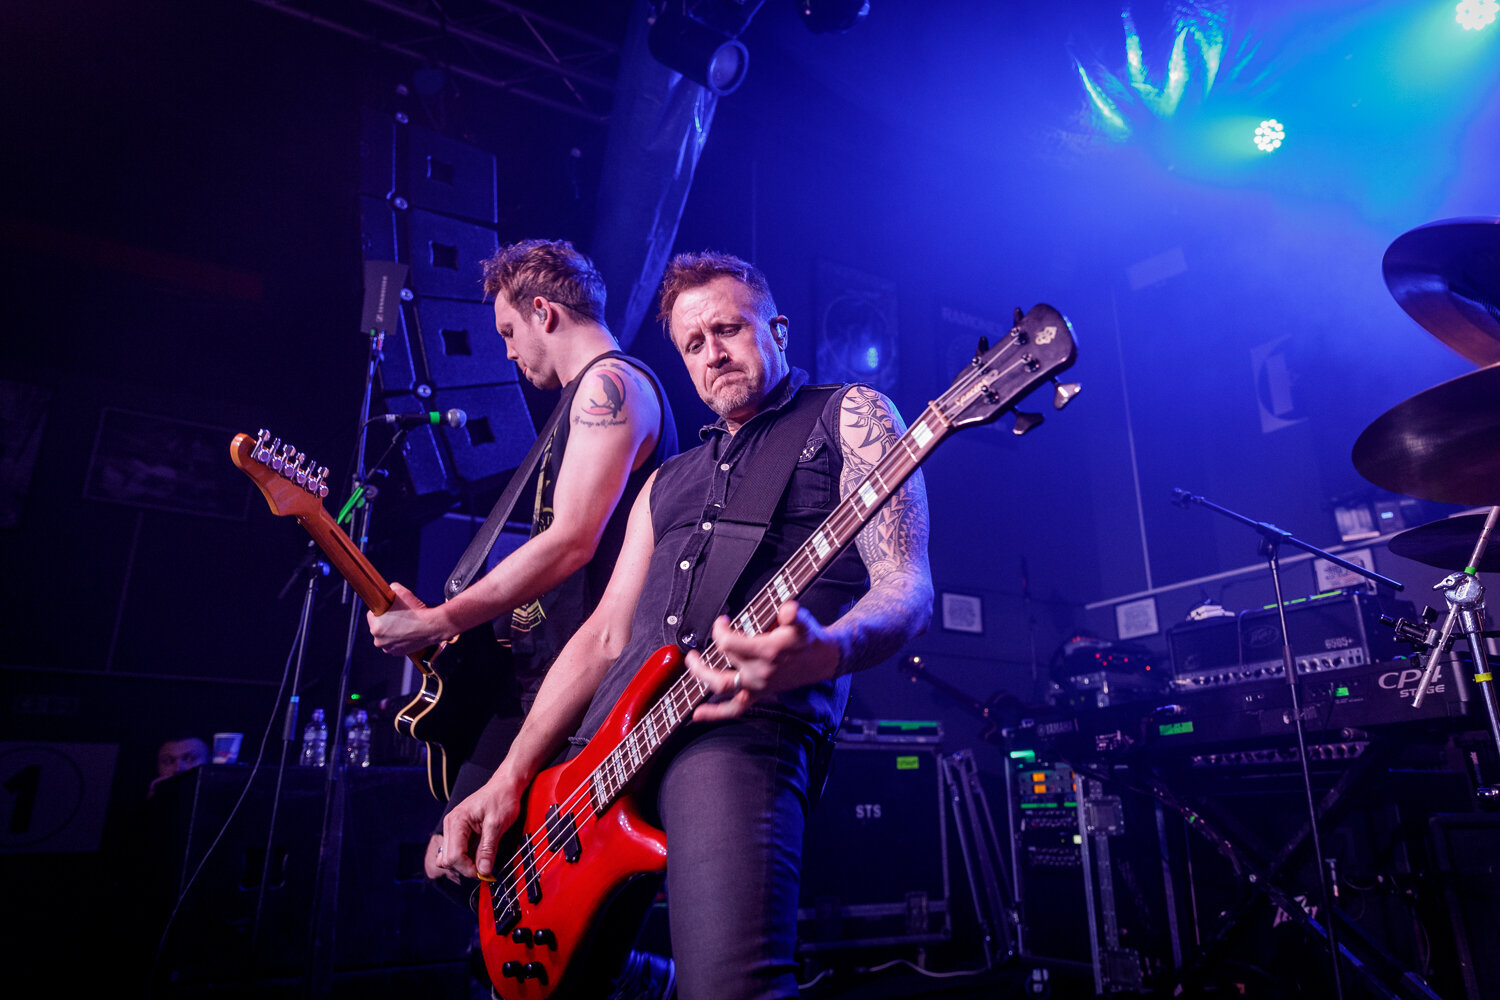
[[733, 801]]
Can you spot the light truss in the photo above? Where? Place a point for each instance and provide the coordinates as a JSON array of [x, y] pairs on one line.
[[493, 42]]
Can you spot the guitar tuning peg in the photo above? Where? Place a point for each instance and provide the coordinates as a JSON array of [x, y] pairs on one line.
[[1026, 422], [264, 447], [1017, 316], [984, 346], [1064, 394]]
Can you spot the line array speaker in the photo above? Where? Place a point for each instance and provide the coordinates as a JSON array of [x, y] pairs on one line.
[[429, 202]]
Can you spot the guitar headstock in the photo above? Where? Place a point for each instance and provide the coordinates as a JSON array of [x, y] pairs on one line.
[[1037, 348], [290, 483]]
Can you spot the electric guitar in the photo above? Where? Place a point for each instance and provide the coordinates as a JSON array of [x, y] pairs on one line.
[[455, 699], [581, 838]]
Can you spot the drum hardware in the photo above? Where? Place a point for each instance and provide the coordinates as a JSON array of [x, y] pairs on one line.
[[1465, 596]]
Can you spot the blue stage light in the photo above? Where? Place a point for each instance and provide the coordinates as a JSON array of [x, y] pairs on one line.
[[1475, 14], [1269, 134]]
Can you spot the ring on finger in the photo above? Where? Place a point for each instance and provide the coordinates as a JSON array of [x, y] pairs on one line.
[[735, 688]]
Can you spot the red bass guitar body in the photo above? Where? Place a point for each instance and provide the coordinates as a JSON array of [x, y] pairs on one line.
[[568, 859]]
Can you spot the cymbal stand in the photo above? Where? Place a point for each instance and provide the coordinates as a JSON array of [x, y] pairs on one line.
[[1272, 539], [1465, 596]]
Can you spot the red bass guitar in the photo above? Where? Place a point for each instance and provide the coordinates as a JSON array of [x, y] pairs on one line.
[[581, 837]]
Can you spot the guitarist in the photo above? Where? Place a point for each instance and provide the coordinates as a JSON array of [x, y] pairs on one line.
[[734, 785], [549, 308]]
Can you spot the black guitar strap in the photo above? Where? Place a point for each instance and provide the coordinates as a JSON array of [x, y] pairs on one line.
[[738, 531], [484, 539]]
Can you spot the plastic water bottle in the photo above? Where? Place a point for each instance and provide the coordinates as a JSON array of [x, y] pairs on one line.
[[357, 741], [315, 741]]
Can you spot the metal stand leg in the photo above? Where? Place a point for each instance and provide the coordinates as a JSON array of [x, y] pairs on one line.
[[1465, 596], [983, 861]]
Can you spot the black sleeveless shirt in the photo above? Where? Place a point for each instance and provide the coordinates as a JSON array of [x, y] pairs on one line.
[[689, 493], [539, 630]]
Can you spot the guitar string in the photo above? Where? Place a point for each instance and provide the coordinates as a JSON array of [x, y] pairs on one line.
[[760, 610]]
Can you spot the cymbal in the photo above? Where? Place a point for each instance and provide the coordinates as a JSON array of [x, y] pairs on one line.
[[1446, 275], [1448, 544], [1442, 444]]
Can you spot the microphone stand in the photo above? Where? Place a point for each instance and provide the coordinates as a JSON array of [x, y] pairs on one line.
[[1271, 540], [319, 981], [314, 568]]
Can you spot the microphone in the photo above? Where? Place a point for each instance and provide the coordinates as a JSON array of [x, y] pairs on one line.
[[453, 418], [1183, 498]]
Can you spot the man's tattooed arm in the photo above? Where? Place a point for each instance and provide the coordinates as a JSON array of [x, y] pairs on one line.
[[893, 544]]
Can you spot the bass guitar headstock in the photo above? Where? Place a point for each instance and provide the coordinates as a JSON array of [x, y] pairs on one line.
[[292, 485], [1038, 347]]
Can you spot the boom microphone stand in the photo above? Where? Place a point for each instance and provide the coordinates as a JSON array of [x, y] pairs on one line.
[[1272, 538]]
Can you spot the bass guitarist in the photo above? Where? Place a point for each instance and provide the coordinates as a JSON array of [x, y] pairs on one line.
[[734, 785], [549, 308]]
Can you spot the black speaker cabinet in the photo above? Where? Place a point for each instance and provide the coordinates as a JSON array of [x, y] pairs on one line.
[[386, 915], [875, 857]]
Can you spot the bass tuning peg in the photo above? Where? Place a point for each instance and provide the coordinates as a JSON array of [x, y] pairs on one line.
[[1064, 394], [1026, 422]]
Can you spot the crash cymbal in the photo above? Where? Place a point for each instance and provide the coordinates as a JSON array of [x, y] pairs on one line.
[[1446, 275], [1442, 444], [1447, 544]]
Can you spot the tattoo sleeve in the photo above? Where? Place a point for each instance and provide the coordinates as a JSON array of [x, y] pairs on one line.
[[893, 544]]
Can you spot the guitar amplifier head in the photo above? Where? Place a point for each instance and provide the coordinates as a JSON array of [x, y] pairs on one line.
[[1330, 631], [1204, 649]]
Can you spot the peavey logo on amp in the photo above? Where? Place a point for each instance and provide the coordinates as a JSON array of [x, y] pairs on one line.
[[1404, 682]]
